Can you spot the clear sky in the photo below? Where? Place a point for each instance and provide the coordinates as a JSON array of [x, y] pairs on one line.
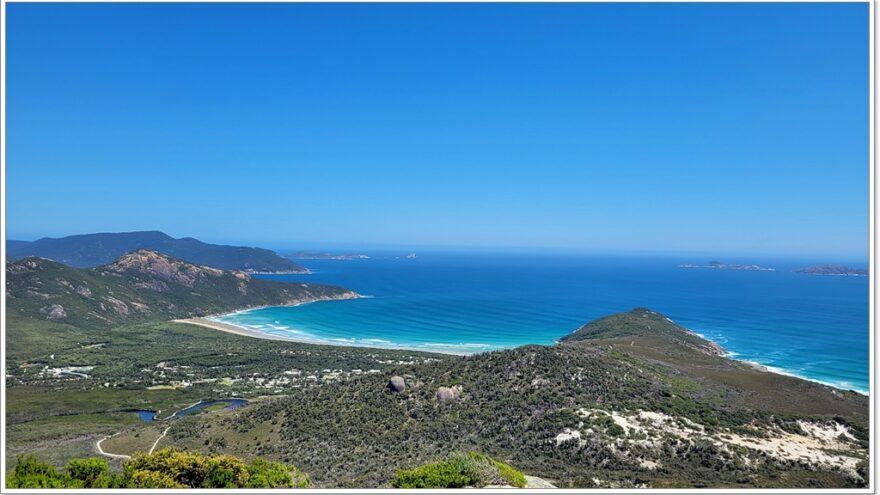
[[725, 128]]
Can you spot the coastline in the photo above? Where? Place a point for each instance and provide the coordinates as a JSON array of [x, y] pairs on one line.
[[282, 272], [765, 368], [780, 371], [257, 334], [234, 329], [348, 295], [214, 324]]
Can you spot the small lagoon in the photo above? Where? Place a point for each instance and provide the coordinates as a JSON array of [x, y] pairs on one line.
[[150, 416]]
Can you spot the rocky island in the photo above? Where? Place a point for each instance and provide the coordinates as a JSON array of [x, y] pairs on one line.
[[839, 270], [728, 266], [317, 255]]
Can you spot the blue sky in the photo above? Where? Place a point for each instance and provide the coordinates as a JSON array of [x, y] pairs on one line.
[[713, 128]]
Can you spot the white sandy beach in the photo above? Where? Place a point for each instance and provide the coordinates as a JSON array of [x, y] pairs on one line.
[[237, 330], [248, 332]]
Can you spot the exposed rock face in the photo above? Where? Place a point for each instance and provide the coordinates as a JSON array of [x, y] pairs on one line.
[[161, 266], [54, 312], [143, 308], [84, 291], [119, 306], [26, 265], [539, 382], [531, 482], [156, 285], [396, 385], [448, 394], [535, 482]]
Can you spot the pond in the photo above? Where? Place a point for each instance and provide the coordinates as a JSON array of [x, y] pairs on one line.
[[148, 416], [145, 415], [231, 404]]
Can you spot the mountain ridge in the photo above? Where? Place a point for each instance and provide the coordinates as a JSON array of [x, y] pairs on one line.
[[145, 285], [91, 250]]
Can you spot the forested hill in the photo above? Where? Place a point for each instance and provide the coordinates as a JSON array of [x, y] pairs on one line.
[[91, 250], [641, 322], [142, 286]]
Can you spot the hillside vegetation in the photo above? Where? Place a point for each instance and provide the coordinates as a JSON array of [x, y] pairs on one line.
[[461, 470], [91, 250], [645, 409], [166, 468], [143, 286], [87, 347]]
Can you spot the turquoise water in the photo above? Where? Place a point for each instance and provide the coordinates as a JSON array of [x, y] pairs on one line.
[[812, 326]]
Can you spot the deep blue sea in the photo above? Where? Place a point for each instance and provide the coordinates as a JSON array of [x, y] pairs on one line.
[[812, 326]]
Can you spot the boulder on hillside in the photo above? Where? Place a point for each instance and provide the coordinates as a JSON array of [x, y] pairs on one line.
[[539, 382], [447, 394], [54, 312], [396, 385]]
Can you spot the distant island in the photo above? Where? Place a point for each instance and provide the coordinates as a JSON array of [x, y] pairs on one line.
[[728, 266], [316, 255], [839, 270]]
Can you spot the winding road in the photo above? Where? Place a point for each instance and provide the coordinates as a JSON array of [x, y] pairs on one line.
[[164, 433], [117, 456]]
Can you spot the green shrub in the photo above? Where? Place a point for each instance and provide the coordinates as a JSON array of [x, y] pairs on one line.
[[151, 479], [266, 474], [460, 470], [186, 469], [226, 472], [507, 472], [29, 472], [443, 474], [166, 468], [92, 472]]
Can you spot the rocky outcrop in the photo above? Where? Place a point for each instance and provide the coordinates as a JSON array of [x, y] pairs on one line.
[[163, 267], [156, 285], [531, 482], [118, 306], [448, 394], [535, 482], [54, 312], [26, 265], [539, 382], [396, 385]]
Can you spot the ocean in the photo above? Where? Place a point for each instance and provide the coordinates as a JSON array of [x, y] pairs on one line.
[[815, 327]]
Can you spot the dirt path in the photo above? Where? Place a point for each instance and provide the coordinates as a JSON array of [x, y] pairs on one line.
[[116, 456], [157, 440]]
